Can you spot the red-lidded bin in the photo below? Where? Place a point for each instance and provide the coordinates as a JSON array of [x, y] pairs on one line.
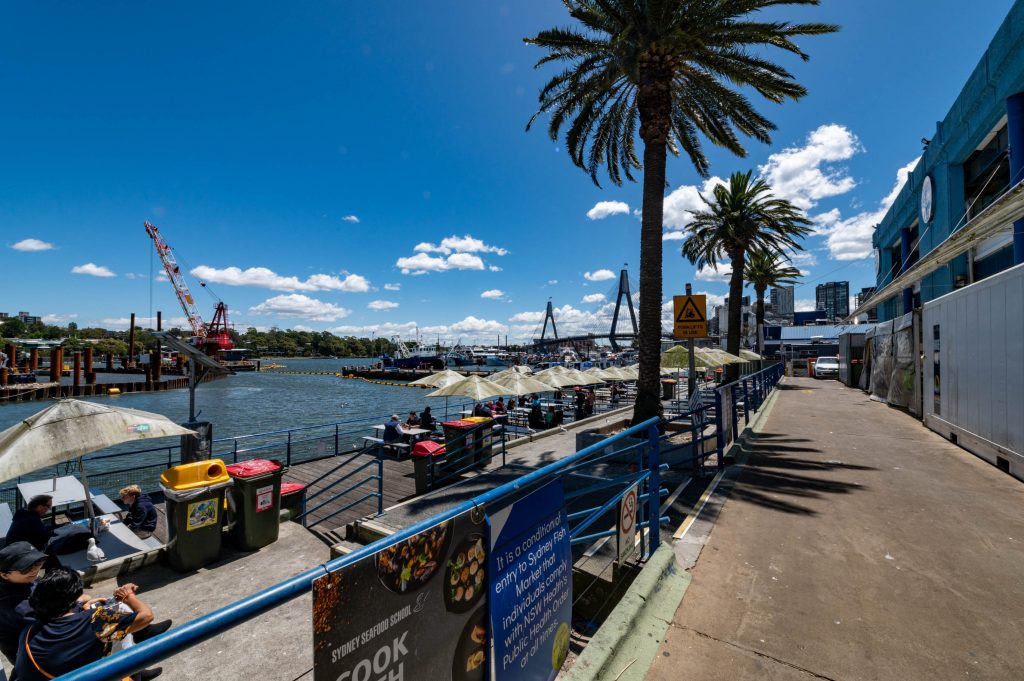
[[422, 453], [256, 497], [293, 499]]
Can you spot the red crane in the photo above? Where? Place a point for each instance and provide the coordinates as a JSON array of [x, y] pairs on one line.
[[212, 338]]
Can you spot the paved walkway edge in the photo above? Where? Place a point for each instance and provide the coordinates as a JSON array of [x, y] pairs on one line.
[[626, 644]]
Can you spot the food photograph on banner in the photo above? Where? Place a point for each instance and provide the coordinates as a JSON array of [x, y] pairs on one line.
[[530, 586], [415, 610]]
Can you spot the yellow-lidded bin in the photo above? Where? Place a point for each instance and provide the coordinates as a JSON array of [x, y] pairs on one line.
[[483, 444], [195, 512]]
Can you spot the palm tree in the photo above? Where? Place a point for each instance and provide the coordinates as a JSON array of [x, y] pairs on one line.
[[742, 217], [764, 269], [676, 71]]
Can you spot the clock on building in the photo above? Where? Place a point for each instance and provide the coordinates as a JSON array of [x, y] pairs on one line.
[[927, 199]]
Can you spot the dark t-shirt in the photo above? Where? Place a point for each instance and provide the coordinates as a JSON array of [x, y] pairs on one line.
[[142, 514], [72, 641], [28, 526], [15, 615]]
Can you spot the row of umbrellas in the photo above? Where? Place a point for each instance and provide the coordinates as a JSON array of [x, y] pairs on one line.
[[678, 357], [519, 381]]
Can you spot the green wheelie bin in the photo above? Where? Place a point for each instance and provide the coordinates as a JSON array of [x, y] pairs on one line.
[[255, 503], [195, 501]]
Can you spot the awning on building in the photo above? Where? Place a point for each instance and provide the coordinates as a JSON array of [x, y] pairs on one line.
[[1004, 211]]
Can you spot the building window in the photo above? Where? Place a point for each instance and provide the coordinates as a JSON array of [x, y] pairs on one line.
[[986, 174]]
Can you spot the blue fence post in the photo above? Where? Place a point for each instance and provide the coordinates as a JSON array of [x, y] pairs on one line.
[[289, 456], [653, 488], [735, 412], [234, 452], [746, 403], [380, 481], [719, 430], [335, 439]]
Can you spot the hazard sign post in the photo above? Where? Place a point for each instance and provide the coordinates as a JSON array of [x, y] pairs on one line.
[[691, 321]]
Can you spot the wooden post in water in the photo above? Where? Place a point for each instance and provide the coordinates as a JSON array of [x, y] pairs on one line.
[[149, 376], [33, 359], [131, 341], [11, 350], [3, 376], [181, 363], [110, 361], [76, 375], [90, 375]]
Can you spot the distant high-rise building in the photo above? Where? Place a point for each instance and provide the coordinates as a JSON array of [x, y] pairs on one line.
[[833, 298], [782, 299], [862, 297]]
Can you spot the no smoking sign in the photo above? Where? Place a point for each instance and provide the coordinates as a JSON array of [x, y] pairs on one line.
[[628, 511]]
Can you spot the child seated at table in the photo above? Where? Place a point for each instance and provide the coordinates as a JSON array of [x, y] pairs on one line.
[[142, 515]]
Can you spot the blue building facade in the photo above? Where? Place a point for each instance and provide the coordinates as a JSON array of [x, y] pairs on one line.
[[967, 164]]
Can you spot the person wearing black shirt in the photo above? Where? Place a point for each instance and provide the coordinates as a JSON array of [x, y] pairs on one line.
[[19, 566], [142, 515], [27, 523], [427, 419]]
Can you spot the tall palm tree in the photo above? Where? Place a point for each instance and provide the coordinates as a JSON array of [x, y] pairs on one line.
[[742, 217], [676, 71], [764, 269]]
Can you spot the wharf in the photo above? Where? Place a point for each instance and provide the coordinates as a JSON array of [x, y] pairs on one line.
[[853, 544]]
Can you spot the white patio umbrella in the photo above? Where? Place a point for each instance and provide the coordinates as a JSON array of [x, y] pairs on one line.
[[582, 377], [555, 379], [520, 384], [473, 387], [597, 373], [70, 429], [523, 369], [440, 379], [749, 355]]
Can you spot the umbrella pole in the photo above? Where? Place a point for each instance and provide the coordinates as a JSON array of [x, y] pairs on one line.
[[88, 496]]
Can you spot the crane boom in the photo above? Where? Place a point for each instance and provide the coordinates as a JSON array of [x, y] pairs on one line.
[[180, 287]]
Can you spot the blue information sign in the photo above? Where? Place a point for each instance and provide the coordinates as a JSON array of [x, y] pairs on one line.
[[530, 598]]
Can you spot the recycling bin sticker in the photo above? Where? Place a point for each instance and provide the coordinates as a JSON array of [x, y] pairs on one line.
[[202, 514], [264, 498]]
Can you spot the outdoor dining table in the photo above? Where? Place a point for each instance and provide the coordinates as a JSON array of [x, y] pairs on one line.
[[413, 432], [117, 542], [65, 490]]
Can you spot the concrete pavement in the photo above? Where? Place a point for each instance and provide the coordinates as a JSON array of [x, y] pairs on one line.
[[855, 544]]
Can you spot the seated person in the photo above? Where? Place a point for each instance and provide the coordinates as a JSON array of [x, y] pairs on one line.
[[511, 404], [27, 524], [487, 410], [535, 401], [20, 564], [559, 418], [536, 419], [549, 417], [413, 420], [427, 420], [142, 515], [393, 430], [68, 634], [499, 406]]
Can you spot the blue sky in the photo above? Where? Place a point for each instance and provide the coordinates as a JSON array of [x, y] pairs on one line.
[[296, 156]]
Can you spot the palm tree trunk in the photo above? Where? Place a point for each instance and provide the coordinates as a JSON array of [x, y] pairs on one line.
[[655, 107], [735, 313], [760, 316]]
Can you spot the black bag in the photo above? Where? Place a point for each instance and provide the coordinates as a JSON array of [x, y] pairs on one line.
[[69, 539]]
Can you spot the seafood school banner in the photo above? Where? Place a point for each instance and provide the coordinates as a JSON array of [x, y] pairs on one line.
[[531, 587], [416, 610]]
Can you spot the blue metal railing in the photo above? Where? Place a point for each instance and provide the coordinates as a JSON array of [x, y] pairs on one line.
[[367, 481], [754, 389]]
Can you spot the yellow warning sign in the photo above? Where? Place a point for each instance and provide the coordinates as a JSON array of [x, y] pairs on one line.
[[691, 319]]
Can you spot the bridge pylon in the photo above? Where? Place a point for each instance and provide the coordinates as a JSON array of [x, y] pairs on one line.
[[549, 315], [623, 292]]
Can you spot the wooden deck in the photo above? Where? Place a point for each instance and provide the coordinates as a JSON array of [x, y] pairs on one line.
[[399, 485]]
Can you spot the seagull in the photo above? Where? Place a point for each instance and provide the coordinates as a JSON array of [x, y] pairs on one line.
[[94, 553]]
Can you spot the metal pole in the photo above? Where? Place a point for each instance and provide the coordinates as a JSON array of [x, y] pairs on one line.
[[691, 380], [653, 489]]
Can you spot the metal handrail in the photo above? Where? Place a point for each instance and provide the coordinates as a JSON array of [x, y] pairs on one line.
[[203, 628]]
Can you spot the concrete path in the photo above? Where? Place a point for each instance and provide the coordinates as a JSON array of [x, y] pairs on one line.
[[856, 544]]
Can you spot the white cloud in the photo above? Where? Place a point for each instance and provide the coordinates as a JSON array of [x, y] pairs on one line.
[[603, 209], [804, 305], [850, 238], [263, 277], [599, 275], [32, 245], [459, 244], [298, 305], [392, 287], [351, 218], [118, 323], [422, 263], [494, 268], [93, 270], [806, 174], [472, 325], [713, 300], [58, 319], [493, 294], [552, 282], [684, 201], [719, 274], [531, 317], [382, 305], [136, 275], [594, 298], [673, 236]]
